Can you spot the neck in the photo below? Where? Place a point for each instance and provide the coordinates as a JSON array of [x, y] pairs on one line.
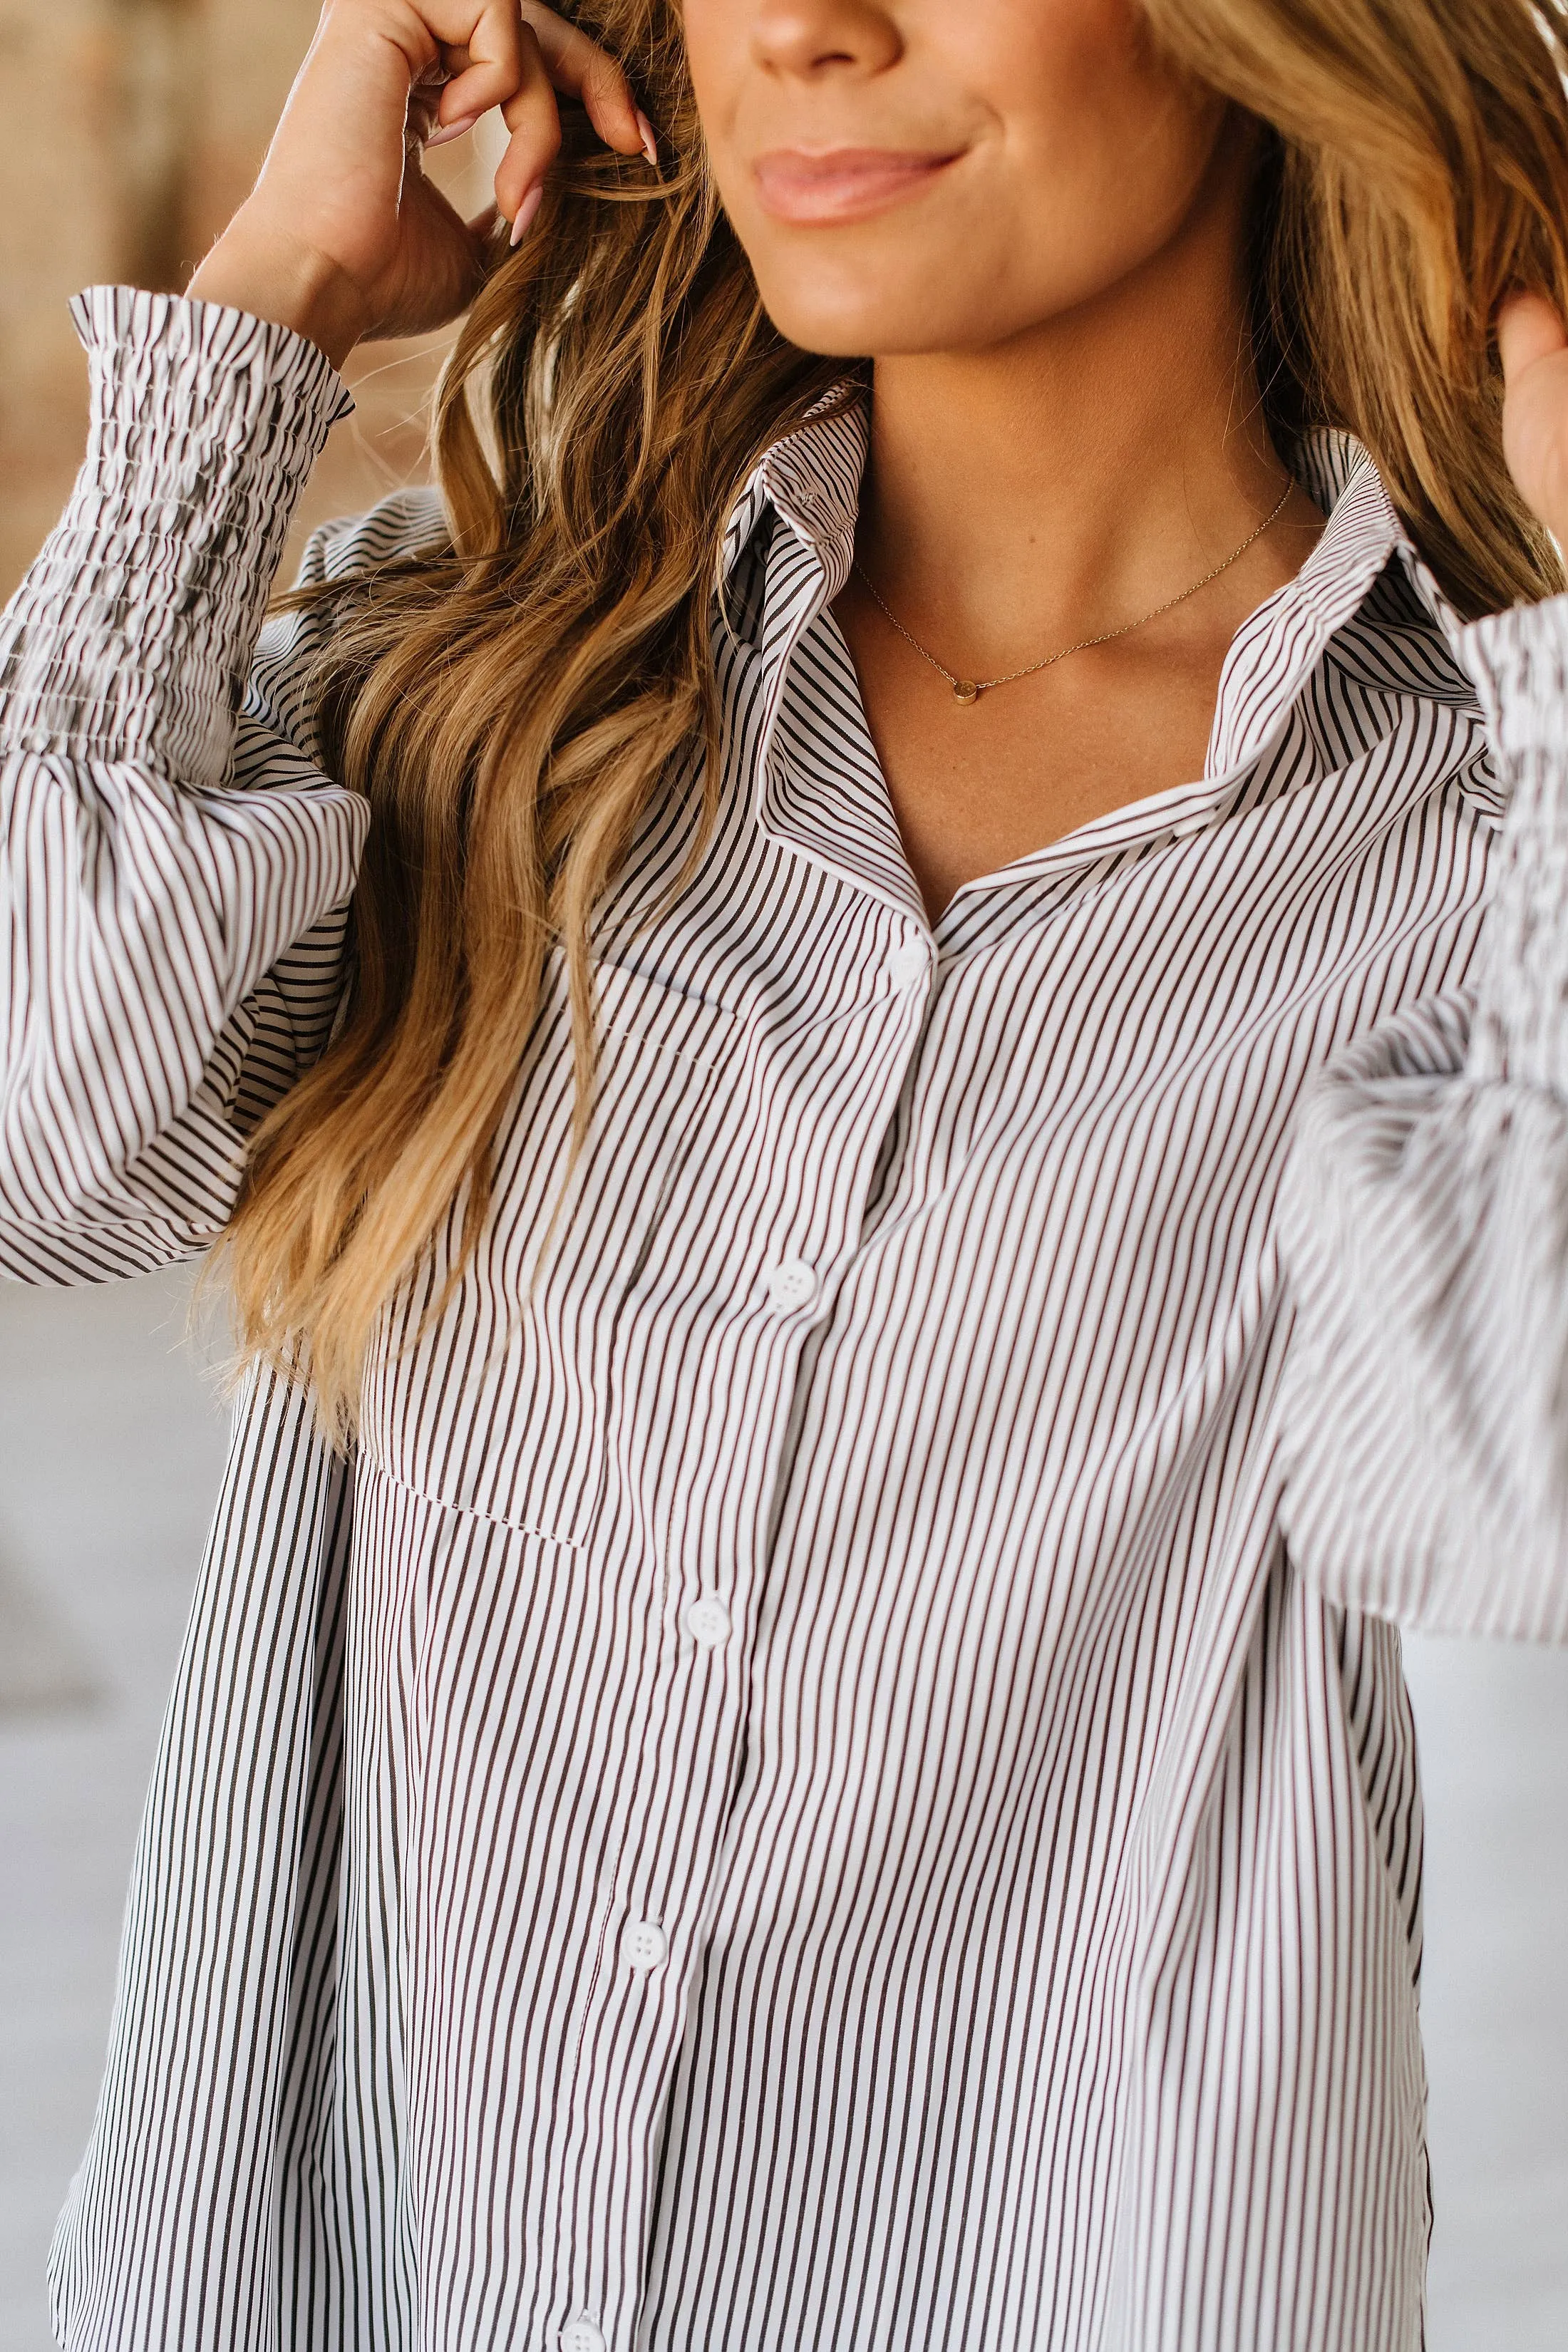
[[1080, 473]]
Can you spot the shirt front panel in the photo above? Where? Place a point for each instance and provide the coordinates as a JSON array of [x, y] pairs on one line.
[[915, 1313]]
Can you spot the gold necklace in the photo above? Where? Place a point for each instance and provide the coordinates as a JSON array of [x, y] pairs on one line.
[[967, 691]]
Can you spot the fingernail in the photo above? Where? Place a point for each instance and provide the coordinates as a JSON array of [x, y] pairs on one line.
[[525, 213], [649, 143], [439, 137]]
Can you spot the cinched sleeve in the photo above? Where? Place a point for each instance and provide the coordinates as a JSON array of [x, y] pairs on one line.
[[1424, 1229], [176, 867]]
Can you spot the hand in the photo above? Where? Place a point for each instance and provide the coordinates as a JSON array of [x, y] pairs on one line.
[[1534, 349], [343, 237]]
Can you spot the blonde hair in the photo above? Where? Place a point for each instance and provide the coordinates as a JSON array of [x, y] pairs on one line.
[[509, 704]]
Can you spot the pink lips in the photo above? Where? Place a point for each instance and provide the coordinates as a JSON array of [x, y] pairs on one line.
[[842, 183]]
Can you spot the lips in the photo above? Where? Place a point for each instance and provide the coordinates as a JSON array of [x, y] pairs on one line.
[[842, 184]]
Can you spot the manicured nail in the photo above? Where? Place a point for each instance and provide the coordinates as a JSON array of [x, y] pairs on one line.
[[649, 143], [439, 137], [525, 213]]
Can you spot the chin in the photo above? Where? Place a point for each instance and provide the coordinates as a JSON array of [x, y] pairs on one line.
[[900, 305], [851, 321]]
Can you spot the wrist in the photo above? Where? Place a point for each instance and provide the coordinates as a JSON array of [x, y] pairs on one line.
[[282, 278]]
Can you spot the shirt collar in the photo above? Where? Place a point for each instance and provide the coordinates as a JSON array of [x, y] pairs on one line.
[[809, 482], [1279, 646]]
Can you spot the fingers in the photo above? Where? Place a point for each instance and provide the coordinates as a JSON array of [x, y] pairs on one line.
[[1529, 328], [518, 55], [579, 68], [531, 116], [554, 55], [487, 70], [449, 131]]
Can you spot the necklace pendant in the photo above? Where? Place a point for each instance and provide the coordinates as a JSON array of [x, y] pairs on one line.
[[966, 690]]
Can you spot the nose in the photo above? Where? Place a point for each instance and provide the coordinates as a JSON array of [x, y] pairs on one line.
[[807, 40]]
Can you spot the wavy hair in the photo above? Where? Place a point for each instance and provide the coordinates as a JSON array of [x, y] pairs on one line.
[[511, 702]]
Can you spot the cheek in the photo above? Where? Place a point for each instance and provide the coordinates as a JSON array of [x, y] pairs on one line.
[[715, 37]]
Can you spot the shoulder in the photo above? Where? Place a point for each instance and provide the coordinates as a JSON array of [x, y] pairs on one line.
[[408, 523], [279, 699]]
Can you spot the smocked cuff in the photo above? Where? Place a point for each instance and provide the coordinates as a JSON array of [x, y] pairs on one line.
[[1519, 663], [134, 631]]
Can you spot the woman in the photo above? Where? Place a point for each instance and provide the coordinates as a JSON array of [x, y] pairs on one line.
[[793, 1733]]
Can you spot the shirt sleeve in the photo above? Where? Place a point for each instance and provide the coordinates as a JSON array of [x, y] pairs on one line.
[[176, 868], [1425, 1230]]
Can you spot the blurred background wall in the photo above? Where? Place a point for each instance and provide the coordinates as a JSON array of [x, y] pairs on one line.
[[133, 128]]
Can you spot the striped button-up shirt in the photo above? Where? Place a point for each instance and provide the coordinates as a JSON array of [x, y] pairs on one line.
[[833, 1772]]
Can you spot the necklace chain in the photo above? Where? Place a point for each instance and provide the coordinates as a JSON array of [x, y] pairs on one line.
[[970, 689]]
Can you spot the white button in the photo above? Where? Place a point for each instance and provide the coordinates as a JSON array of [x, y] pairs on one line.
[[708, 1621], [909, 965], [792, 1284], [581, 2335], [645, 1945]]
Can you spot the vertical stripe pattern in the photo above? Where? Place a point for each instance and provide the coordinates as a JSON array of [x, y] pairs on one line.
[[834, 1773]]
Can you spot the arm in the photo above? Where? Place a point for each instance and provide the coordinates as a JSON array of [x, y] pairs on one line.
[[1425, 1214], [1424, 1228], [174, 883], [175, 889]]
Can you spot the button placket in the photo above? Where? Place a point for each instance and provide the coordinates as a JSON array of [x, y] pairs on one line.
[[582, 2335], [708, 1621], [644, 1946], [793, 1284], [909, 964], [662, 1860]]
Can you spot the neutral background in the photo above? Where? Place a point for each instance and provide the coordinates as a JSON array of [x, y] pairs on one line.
[[132, 127]]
